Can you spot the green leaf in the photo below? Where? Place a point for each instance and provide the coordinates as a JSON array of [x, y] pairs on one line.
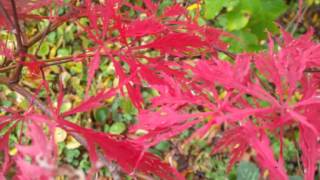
[[44, 49], [72, 154], [106, 128], [247, 171], [163, 5], [295, 178], [85, 163], [117, 128], [245, 41], [6, 103], [63, 52], [65, 107], [163, 146], [127, 106], [101, 114], [235, 20], [264, 13], [212, 8], [52, 37], [264, 104]]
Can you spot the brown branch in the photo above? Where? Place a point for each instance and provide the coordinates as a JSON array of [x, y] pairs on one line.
[[17, 30], [4, 80], [21, 49], [7, 68], [228, 53], [51, 61], [312, 70]]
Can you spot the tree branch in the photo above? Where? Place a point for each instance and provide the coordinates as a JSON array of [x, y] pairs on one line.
[[21, 49], [17, 30], [51, 61]]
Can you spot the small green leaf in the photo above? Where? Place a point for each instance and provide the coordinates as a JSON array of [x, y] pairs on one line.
[[44, 49], [106, 128], [163, 146], [247, 171], [235, 20], [264, 104], [295, 178], [101, 114], [65, 107], [52, 37], [117, 128], [127, 106], [72, 154], [63, 52], [85, 163], [6, 103]]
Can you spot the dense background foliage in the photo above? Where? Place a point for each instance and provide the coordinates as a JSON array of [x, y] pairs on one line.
[[212, 89]]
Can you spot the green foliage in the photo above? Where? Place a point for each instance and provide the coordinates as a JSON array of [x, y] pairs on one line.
[[117, 128], [44, 49], [101, 114], [295, 178], [247, 171], [163, 146], [249, 20]]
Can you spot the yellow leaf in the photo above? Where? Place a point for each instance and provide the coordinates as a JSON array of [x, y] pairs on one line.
[[59, 135], [193, 7], [223, 95], [72, 143], [298, 95], [13, 151], [53, 52]]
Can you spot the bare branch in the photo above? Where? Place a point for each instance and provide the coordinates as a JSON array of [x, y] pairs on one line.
[[17, 30]]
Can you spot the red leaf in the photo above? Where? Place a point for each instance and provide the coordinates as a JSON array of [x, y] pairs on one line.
[[42, 152], [140, 28], [176, 43], [91, 103], [128, 154], [239, 140], [93, 66], [175, 10]]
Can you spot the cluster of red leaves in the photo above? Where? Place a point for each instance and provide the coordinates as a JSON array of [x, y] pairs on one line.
[[169, 52], [266, 93]]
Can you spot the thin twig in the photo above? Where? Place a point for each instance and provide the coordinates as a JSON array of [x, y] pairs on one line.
[[299, 20], [51, 61], [17, 30], [7, 68], [228, 53], [312, 70], [21, 49]]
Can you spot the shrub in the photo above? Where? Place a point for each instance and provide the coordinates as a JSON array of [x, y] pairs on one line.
[[256, 95]]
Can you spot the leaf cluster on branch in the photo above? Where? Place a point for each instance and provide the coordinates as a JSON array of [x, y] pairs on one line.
[[255, 94]]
